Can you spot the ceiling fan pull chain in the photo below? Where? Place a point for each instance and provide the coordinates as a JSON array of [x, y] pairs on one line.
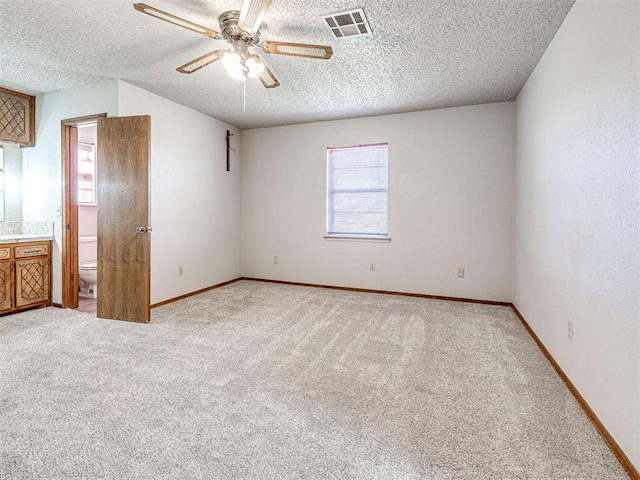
[[244, 92]]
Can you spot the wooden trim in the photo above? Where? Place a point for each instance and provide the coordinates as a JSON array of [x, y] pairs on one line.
[[70, 208], [56, 305], [617, 451], [74, 122], [386, 292], [202, 290], [17, 94], [69, 216], [32, 123]]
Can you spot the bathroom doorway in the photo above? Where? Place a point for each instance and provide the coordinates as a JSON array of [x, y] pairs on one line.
[[87, 218], [76, 131]]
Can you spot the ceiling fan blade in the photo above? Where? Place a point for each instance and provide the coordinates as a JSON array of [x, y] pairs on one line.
[[201, 62], [181, 22], [268, 79], [298, 49], [252, 14]]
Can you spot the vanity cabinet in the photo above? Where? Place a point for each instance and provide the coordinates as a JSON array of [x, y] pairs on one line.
[[25, 275]]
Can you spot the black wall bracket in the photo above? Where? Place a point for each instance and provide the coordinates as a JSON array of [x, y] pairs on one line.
[[229, 148]]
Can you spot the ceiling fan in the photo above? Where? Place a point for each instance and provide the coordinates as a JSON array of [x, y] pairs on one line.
[[242, 30]]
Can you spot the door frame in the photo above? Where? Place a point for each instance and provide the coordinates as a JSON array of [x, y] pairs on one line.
[[70, 207]]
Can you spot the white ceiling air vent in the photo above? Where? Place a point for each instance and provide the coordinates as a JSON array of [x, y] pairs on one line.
[[352, 23]]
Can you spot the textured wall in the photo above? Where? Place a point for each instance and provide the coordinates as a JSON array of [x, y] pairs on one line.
[[450, 203], [195, 202], [578, 209]]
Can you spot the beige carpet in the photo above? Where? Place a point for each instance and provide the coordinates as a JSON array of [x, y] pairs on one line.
[[267, 381]]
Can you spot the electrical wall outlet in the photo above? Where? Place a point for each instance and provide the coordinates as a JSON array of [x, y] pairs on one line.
[[460, 272], [372, 267], [275, 260], [570, 330], [180, 271]]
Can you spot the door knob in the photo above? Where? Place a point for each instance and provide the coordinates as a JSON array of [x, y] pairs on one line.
[[141, 229]]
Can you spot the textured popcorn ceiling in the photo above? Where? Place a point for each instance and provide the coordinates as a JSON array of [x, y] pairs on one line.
[[423, 54]]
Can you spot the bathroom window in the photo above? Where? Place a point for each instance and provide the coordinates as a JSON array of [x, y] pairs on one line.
[[86, 173]]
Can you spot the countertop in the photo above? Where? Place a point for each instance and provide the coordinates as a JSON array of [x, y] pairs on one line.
[[23, 238]]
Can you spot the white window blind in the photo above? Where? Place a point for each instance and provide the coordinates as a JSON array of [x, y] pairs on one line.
[[357, 190]]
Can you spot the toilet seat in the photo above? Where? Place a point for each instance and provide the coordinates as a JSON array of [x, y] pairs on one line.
[[88, 267]]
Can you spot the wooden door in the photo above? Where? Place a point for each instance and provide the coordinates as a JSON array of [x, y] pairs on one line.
[[123, 218]]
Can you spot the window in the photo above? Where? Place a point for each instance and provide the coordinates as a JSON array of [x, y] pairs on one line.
[[86, 173], [357, 191]]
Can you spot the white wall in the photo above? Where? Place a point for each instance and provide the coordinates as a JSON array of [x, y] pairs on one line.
[[450, 203], [42, 164], [87, 220], [88, 133], [195, 202], [578, 209], [12, 183]]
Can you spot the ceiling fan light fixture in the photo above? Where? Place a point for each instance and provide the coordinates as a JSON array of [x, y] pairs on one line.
[[255, 66], [234, 65]]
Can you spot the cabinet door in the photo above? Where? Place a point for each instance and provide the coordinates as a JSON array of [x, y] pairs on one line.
[[32, 281], [5, 285]]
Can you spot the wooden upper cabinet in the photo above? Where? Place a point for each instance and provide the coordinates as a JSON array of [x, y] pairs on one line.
[[17, 118]]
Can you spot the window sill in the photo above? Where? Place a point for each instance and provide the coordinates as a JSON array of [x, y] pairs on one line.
[[357, 238]]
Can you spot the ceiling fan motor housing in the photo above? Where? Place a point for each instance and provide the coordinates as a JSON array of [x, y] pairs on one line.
[[232, 33]]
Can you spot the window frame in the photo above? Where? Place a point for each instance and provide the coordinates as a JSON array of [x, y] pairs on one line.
[[331, 234]]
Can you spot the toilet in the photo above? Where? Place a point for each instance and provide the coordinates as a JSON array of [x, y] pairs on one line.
[[88, 266]]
